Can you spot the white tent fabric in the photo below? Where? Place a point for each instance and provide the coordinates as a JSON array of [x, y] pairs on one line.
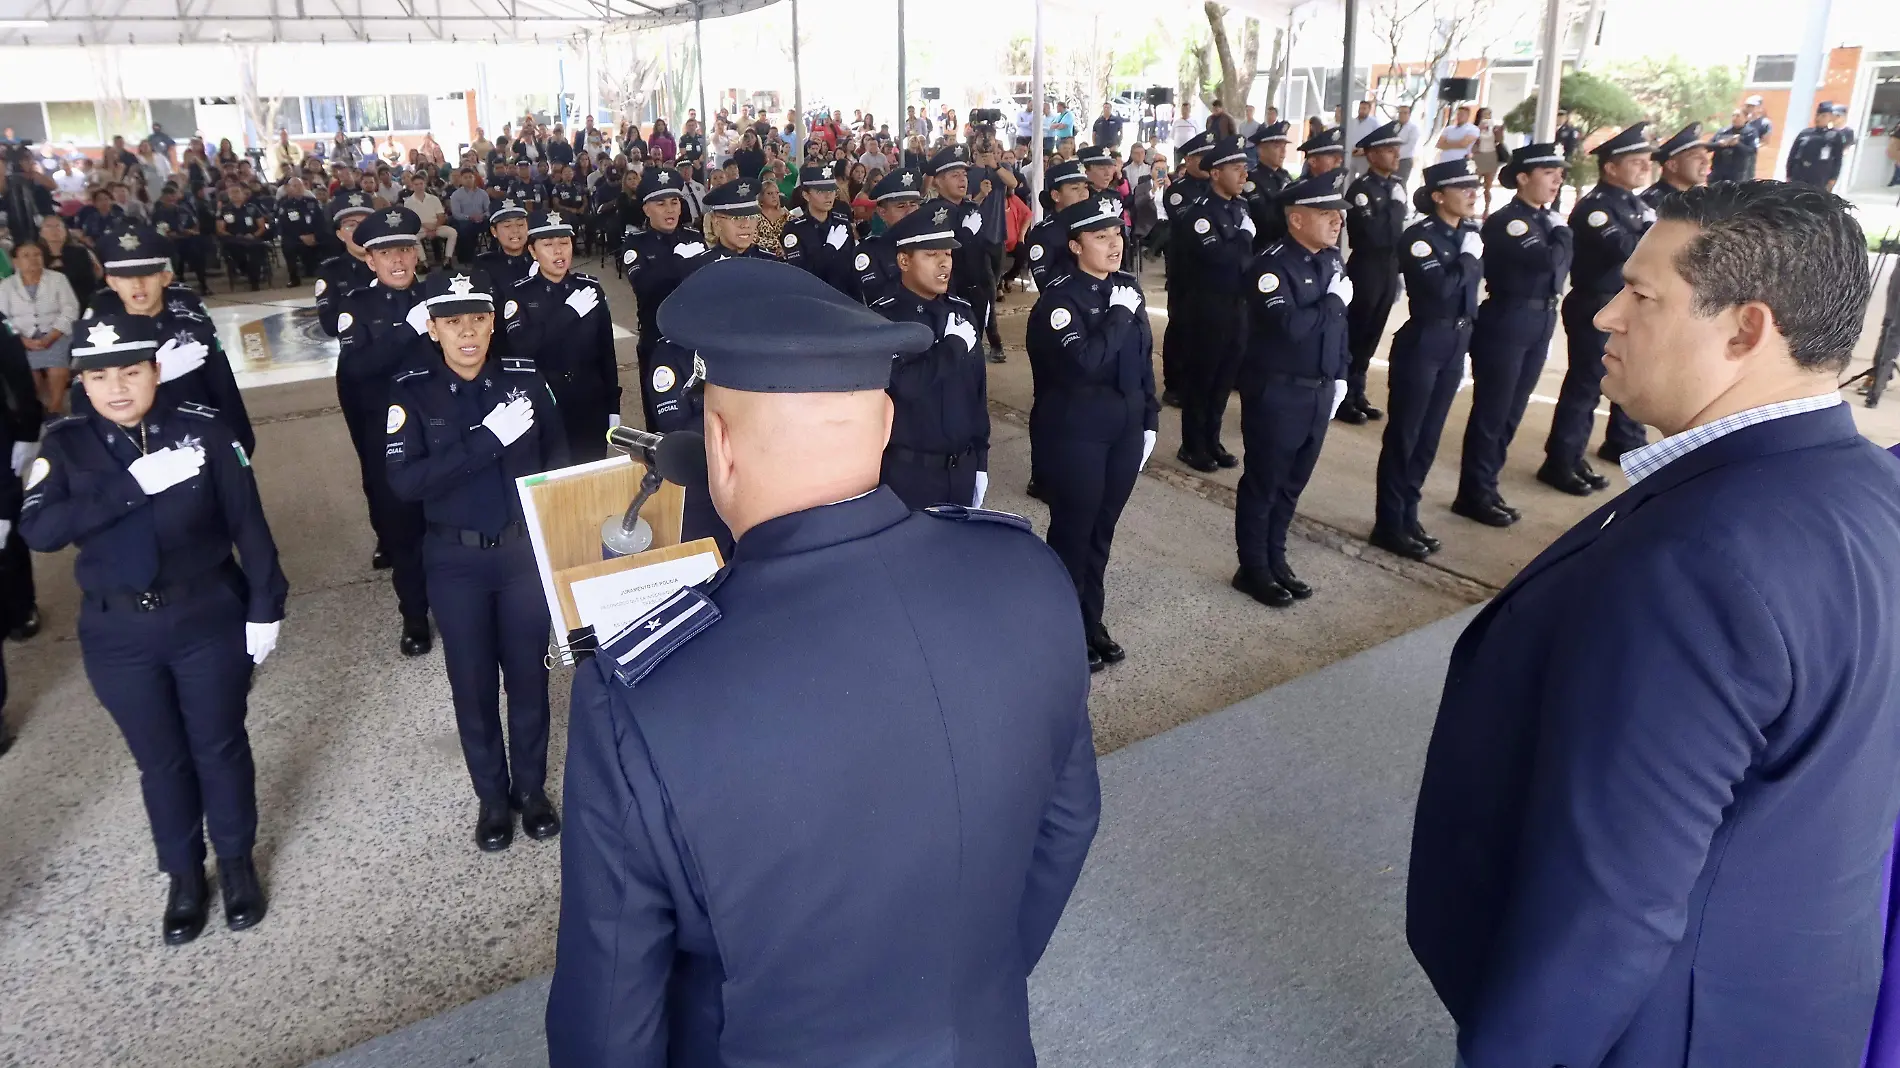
[[114, 22]]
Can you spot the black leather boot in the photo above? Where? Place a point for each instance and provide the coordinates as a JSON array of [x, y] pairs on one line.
[[185, 907], [244, 903]]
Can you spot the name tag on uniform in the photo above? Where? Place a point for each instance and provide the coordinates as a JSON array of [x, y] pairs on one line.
[[1826, 153]]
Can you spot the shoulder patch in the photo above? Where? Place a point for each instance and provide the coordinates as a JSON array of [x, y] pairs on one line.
[[1269, 281], [322, 287], [397, 417], [981, 515], [629, 256], [789, 240], [37, 473], [1598, 217], [863, 262], [1421, 248], [1201, 225], [1517, 228], [344, 322], [1035, 251], [1059, 318], [633, 653], [202, 411], [508, 311], [1362, 200]]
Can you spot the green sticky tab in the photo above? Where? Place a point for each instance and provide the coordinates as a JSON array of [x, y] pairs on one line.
[[238, 447], [534, 480]]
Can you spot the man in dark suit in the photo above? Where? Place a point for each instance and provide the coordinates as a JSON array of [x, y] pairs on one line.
[[1661, 789], [816, 814]]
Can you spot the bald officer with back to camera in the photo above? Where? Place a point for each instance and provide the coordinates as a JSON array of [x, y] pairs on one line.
[[1660, 796], [804, 827]]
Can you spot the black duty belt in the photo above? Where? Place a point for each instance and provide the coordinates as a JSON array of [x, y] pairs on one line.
[[1540, 303], [475, 539], [1455, 322], [158, 597], [1282, 379], [949, 461]]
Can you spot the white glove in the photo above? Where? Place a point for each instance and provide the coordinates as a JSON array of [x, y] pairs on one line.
[[1472, 245], [583, 301], [1246, 223], [176, 360], [510, 420], [958, 326], [260, 639], [982, 487], [973, 222], [1125, 297], [23, 454], [159, 471], [1341, 287], [613, 421], [1339, 394], [837, 236], [6, 529], [1556, 218], [686, 250], [1147, 448], [1649, 216], [418, 318]]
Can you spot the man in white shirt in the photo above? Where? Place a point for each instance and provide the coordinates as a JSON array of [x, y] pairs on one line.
[[1409, 137], [1025, 122], [1459, 138], [69, 184], [1249, 124], [1184, 126], [428, 208], [1361, 124]]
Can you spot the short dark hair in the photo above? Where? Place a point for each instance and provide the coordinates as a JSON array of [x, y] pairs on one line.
[[1794, 248]]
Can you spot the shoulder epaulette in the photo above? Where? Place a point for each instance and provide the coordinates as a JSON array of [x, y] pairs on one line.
[[879, 302], [1058, 280], [62, 424], [956, 299], [980, 515], [518, 363], [413, 372], [518, 283], [584, 277], [633, 653], [202, 411]]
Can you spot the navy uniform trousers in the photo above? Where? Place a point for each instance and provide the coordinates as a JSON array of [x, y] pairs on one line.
[[1428, 362], [175, 678], [1282, 427], [1375, 286], [491, 612], [1086, 484], [1507, 354], [398, 523], [1583, 387], [1215, 331]]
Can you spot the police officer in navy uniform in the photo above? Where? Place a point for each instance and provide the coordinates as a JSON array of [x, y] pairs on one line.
[[241, 225], [1049, 257], [897, 194], [1816, 156], [177, 221], [855, 767], [1178, 336], [1374, 222], [972, 280], [1686, 160], [569, 198], [1266, 181], [192, 364], [1207, 297], [384, 329], [558, 318], [1092, 427], [1292, 377], [508, 261], [299, 216], [939, 449], [1443, 261], [1527, 250], [348, 269], [657, 258], [818, 235], [157, 494], [463, 424], [1324, 153], [1736, 147], [732, 223], [1605, 226]]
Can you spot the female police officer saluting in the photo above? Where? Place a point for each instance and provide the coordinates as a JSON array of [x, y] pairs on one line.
[[1093, 424], [463, 425], [156, 496]]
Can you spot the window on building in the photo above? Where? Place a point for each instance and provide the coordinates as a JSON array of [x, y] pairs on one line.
[[369, 113], [1771, 70], [125, 118], [27, 121], [409, 112], [73, 120], [178, 117], [289, 116], [323, 114]]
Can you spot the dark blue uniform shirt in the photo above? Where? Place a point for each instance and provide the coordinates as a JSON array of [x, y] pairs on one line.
[[575, 353], [440, 454], [1605, 225], [1092, 362], [1526, 256], [941, 395], [1440, 280], [1294, 327], [1049, 256], [1216, 246], [824, 247], [1377, 215], [337, 276], [656, 263], [876, 267]]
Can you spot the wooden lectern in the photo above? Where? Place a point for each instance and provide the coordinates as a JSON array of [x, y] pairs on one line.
[[590, 598]]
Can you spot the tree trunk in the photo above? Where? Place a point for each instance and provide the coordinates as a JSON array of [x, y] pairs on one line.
[[1273, 69]]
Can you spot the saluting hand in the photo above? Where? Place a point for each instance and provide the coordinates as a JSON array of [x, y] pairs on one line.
[[418, 318], [583, 300], [510, 419], [176, 360], [1556, 218], [1472, 245], [1125, 297], [1341, 287], [159, 471]]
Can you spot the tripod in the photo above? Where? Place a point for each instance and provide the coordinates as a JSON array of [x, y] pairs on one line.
[[1887, 346]]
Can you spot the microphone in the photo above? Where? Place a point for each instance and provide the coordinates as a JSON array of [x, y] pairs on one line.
[[679, 458]]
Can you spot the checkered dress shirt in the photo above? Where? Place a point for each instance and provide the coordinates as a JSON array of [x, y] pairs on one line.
[[1639, 464]]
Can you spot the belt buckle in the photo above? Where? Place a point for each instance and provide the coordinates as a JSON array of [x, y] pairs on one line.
[[491, 543], [148, 601], [951, 462]]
